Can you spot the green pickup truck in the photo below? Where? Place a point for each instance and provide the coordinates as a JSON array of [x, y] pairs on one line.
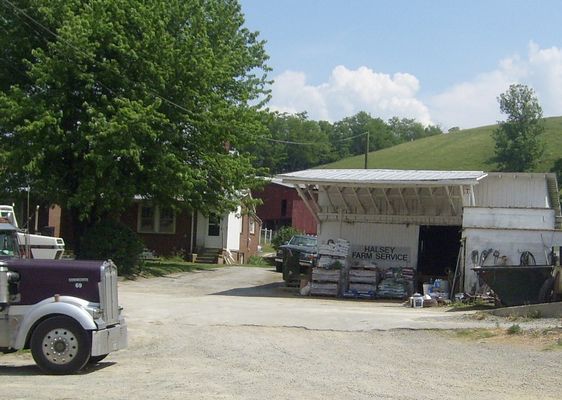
[[296, 256]]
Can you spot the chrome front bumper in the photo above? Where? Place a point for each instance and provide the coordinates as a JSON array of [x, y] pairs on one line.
[[111, 339]]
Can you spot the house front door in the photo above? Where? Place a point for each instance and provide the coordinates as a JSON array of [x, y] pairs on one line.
[[214, 237]]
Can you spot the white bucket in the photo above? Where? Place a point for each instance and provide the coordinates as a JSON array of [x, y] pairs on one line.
[[417, 300], [427, 288]]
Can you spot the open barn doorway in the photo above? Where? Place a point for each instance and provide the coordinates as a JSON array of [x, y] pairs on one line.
[[438, 252]]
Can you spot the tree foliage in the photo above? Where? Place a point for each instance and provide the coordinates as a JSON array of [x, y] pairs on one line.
[[296, 142], [103, 100], [352, 133], [112, 240], [517, 143], [283, 235]]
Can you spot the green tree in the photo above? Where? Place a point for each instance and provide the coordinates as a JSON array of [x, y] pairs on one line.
[[352, 133], [294, 143], [283, 235], [408, 129], [517, 143], [103, 100], [557, 169]]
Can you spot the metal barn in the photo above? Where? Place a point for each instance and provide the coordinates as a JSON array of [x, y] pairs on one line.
[[434, 221]]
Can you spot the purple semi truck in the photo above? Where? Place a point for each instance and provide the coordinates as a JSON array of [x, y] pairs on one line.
[[66, 312]]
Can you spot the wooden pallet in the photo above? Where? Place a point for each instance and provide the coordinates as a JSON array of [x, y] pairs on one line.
[[325, 275], [362, 276], [362, 287], [324, 289]]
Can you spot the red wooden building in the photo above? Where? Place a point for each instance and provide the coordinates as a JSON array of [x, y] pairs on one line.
[[282, 206]]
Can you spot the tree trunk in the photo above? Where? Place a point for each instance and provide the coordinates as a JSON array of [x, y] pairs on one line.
[[77, 229]]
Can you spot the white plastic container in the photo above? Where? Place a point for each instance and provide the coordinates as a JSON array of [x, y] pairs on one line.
[[417, 301]]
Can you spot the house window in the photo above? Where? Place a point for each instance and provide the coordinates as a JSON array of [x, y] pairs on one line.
[[214, 226], [146, 220], [156, 219], [252, 226], [167, 219]]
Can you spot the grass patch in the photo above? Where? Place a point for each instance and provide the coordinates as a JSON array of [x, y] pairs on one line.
[[556, 346], [476, 304], [171, 266], [257, 261], [554, 337], [267, 248], [548, 339], [514, 329], [479, 316], [535, 314], [476, 333], [468, 149]]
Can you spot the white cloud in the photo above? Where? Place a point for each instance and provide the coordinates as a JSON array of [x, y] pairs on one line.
[[349, 91], [470, 104], [467, 104], [474, 103]]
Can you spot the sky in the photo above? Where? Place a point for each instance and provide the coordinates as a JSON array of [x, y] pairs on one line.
[[442, 62]]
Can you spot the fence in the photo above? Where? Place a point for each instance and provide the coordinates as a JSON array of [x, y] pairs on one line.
[[265, 236]]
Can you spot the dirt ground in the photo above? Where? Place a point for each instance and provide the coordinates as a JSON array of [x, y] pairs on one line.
[[237, 333]]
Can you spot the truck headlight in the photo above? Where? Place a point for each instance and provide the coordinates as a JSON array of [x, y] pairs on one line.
[[97, 313]]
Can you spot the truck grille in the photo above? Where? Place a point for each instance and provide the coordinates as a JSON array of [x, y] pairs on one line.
[[109, 302]]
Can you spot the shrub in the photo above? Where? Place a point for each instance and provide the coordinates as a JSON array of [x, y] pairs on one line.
[[514, 330], [114, 240], [283, 235]]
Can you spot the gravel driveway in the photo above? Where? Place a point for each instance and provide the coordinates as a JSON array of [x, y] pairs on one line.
[[237, 333]]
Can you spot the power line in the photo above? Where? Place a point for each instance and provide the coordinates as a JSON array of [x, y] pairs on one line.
[[311, 143], [289, 142]]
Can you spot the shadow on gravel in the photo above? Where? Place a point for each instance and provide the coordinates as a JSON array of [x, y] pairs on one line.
[[33, 370], [279, 289], [275, 289], [21, 370]]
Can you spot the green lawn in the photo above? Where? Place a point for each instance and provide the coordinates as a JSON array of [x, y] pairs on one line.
[[171, 266], [166, 267], [468, 149]]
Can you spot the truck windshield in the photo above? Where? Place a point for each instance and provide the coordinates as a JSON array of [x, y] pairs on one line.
[[7, 243], [304, 241]]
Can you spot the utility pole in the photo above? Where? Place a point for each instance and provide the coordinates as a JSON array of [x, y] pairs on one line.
[[366, 149]]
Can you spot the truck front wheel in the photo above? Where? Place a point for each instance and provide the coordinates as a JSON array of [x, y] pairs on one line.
[[59, 345]]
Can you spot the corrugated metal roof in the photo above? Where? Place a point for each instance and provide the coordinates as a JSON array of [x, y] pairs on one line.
[[383, 177], [279, 181]]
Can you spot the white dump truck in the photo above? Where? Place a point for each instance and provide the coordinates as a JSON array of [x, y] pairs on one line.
[[32, 245]]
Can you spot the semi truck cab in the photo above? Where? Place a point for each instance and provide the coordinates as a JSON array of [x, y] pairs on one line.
[[66, 312]]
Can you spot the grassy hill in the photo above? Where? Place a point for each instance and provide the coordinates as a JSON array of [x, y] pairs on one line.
[[468, 149]]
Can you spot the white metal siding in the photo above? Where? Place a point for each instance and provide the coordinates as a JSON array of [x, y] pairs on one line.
[[369, 234], [508, 218], [512, 190]]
